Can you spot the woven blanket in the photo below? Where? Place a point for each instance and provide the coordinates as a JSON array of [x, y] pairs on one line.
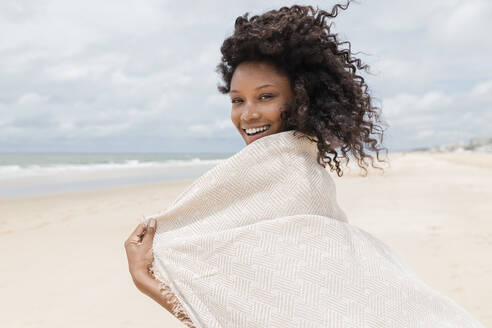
[[260, 241]]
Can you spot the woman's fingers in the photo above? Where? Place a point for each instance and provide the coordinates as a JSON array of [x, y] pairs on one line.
[[137, 233], [147, 231], [139, 230], [149, 234]]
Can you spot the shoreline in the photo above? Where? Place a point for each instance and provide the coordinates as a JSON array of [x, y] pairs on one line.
[[101, 189], [91, 179]]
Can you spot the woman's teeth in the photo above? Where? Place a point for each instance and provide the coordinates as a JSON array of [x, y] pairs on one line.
[[256, 130]]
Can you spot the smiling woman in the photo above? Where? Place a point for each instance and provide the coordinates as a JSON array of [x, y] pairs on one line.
[[319, 88], [259, 240]]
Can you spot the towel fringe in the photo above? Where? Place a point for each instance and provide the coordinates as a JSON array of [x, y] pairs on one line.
[[176, 308]]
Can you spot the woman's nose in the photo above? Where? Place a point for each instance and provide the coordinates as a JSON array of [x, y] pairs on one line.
[[249, 113]]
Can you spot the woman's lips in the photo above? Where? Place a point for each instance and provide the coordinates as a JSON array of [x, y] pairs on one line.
[[257, 135]]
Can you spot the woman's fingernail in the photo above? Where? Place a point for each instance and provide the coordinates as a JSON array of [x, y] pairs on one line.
[[152, 223]]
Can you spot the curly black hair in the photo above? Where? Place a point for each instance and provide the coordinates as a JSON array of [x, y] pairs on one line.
[[332, 104]]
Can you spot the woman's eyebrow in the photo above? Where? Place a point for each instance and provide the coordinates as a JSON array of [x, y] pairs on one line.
[[262, 86]]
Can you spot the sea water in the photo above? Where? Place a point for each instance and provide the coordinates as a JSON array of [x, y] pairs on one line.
[[47, 173]]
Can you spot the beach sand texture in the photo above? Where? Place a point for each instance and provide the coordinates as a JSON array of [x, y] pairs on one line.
[[64, 264]]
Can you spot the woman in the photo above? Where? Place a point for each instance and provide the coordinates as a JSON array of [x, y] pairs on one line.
[[283, 70]]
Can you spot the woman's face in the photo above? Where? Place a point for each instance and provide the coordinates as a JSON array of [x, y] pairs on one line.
[[258, 94]]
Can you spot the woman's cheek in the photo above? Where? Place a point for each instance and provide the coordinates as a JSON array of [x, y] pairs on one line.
[[235, 118]]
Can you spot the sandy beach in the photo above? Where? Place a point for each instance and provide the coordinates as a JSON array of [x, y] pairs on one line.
[[64, 264]]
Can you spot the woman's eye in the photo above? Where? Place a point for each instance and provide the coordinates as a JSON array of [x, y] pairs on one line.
[[235, 100], [266, 96]]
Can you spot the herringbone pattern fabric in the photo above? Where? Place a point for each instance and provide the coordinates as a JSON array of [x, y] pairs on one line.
[[259, 241]]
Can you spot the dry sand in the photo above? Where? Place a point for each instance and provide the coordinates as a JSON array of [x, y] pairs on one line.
[[64, 264]]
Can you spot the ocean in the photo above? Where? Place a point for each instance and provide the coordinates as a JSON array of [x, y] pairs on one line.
[[39, 174]]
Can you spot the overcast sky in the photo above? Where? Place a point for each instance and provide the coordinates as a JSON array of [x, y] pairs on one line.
[[139, 75]]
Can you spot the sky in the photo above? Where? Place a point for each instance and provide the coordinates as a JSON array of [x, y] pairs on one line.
[[139, 75]]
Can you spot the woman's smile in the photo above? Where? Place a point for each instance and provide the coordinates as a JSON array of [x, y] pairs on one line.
[[256, 133]]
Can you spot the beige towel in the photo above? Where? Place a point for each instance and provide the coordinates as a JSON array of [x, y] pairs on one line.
[[260, 241]]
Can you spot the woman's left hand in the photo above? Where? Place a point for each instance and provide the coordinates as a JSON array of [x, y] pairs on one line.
[[139, 249], [140, 257]]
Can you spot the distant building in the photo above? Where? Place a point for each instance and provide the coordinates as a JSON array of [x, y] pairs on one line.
[[475, 144]]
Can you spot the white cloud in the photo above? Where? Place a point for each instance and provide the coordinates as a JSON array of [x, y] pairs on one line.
[[464, 26], [67, 72], [424, 134], [211, 129], [435, 116], [127, 73], [31, 99], [483, 92]]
